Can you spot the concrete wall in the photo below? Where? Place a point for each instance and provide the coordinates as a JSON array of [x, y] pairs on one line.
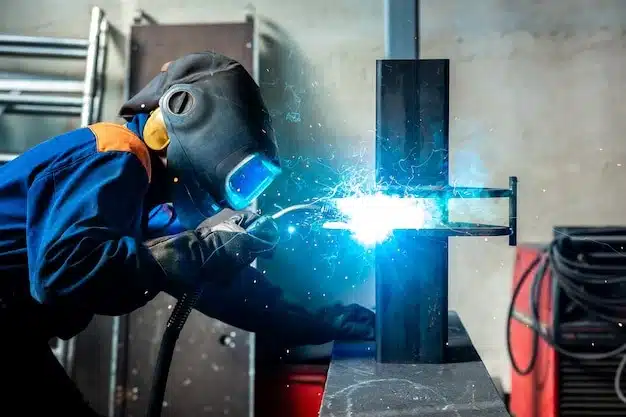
[[536, 91]]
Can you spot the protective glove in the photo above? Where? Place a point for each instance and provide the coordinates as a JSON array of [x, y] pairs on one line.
[[349, 322], [217, 250]]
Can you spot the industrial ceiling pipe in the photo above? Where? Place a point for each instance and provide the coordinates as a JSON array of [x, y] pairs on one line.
[[401, 22]]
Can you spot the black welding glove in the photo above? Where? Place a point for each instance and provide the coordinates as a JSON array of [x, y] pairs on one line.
[[254, 304], [216, 251]]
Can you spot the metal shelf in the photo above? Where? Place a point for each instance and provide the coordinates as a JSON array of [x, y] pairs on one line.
[[42, 52], [26, 41], [21, 95], [42, 86]]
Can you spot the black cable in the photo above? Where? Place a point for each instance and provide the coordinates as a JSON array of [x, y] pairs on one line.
[[588, 280], [174, 326], [176, 322]]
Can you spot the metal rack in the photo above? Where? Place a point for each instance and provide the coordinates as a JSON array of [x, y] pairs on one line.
[[47, 97], [20, 94]]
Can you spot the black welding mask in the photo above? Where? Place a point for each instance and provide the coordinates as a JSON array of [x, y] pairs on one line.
[[221, 151]]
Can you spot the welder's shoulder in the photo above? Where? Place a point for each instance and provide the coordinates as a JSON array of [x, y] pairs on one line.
[[114, 138]]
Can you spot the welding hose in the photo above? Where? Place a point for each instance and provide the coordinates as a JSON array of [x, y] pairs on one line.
[[570, 274], [175, 324], [178, 318]]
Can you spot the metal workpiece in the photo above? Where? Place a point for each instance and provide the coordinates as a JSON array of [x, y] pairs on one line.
[[412, 110], [412, 268], [411, 298]]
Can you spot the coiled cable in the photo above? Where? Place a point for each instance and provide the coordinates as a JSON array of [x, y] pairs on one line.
[[591, 274]]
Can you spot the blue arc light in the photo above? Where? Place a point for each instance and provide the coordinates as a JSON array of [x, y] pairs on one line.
[[372, 218]]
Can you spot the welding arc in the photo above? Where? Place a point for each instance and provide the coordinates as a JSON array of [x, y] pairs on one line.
[[571, 276]]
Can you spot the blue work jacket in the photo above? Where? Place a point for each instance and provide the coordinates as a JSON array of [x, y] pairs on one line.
[[74, 213]]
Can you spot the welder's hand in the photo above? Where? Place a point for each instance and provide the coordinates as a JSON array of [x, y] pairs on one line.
[[257, 235], [217, 250], [349, 322]]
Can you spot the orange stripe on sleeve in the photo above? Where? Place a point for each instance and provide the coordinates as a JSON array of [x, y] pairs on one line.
[[114, 137]]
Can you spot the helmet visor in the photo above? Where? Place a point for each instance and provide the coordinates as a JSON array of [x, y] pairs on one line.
[[249, 179]]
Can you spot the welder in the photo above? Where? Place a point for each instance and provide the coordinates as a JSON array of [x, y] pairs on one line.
[[76, 236]]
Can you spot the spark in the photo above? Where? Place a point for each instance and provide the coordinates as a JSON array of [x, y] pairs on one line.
[[372, 218]]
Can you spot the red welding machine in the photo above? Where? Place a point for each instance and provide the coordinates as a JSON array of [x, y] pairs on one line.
[[553, 384]]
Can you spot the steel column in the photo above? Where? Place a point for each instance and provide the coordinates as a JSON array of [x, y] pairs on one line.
[[411, 268], [412, 126]]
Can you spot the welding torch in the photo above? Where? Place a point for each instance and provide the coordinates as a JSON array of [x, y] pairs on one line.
[[325, 208]]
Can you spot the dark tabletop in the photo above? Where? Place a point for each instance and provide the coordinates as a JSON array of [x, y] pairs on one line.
[[358, 386]]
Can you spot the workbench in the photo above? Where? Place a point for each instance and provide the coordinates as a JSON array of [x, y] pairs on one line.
[[358, 386]]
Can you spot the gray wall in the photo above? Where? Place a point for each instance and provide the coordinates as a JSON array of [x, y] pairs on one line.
[[536, 91]]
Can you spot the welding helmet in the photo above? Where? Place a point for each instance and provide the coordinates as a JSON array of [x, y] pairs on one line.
[[221, 150]]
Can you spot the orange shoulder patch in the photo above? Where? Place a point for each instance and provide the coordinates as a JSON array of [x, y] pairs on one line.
[[113, 137]]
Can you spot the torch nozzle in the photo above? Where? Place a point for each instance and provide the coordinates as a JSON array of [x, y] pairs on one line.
[[326, 209]]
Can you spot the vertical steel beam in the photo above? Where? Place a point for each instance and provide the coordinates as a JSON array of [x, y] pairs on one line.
[[412, 269], [411, 151]]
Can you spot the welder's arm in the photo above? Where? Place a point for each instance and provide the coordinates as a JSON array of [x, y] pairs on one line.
[[83, 224], [251, 302]]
